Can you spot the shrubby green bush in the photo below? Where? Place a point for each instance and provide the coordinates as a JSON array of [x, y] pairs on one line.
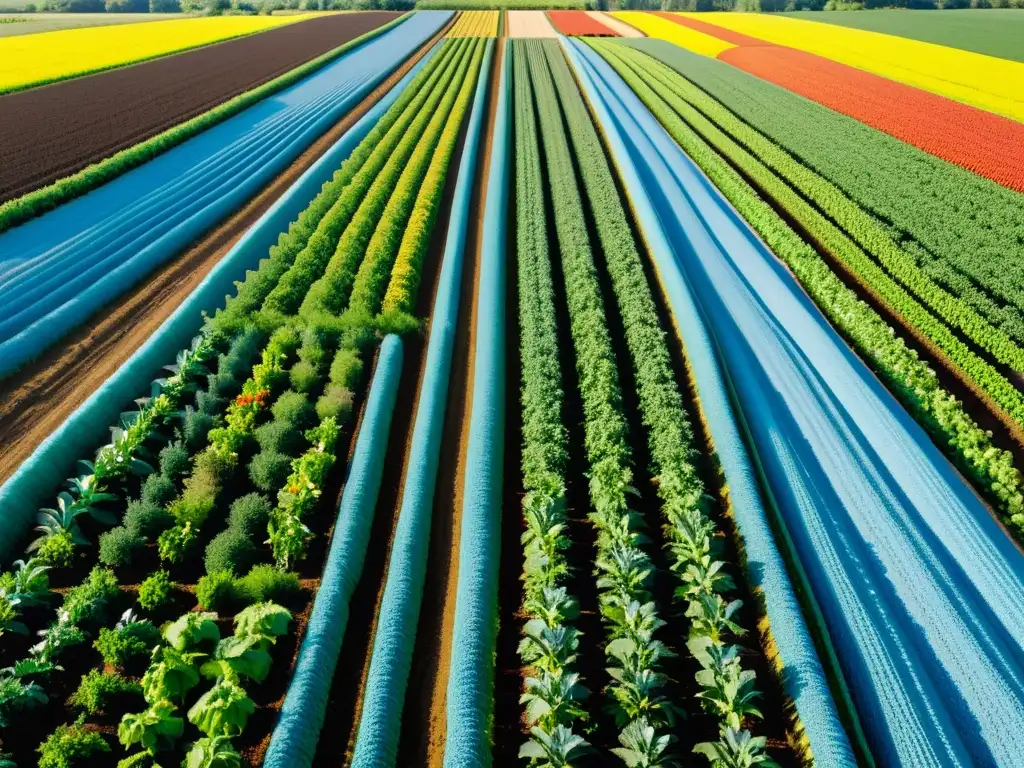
[[98, 692], [119, 546], [232, 551]]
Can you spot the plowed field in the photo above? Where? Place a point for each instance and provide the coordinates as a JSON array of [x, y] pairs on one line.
[[51, 132]]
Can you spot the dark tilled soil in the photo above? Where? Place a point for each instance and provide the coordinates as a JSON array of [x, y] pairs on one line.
[[50, 132]]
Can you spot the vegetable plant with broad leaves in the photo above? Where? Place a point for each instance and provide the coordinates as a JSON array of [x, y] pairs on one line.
[[154, 729], [216, 752], [643, 748], [736, 749], [556, 749], [223, 710]]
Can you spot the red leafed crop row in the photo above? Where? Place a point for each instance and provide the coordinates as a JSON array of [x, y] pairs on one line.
[[974, 139], [579, 23]]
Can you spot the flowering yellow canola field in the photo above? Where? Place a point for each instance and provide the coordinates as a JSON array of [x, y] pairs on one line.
[[48, 56], [475, 24], [663, 29], [996, 85]]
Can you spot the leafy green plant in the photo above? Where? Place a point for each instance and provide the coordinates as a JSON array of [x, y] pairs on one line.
[[223, 710], [57, 550], [171, 675], [217, 591], [98, 691], [154, 729], [156, 590], [9, 616], [27, 582], [57, 638], [129, 640], [17, 696], [70, 746], [736, 749], [213, 753], [90, 600], [65, 517], [146, 519], [231, 550], [556, 749], [727, 689], [193, 631], [266, 621], [643, 748], [119, 546], [267, 583], [176, 543]]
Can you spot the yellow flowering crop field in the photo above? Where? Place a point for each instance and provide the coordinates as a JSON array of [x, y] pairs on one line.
[[475, 24], [29, 60], [996, 85], [663, 29]]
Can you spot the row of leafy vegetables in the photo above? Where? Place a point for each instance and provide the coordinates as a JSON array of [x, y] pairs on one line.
[[554, 137]]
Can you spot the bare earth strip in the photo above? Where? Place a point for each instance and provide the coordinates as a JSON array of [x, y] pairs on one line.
[[51, 132], [529, 24], [621, 27], [37, 399]]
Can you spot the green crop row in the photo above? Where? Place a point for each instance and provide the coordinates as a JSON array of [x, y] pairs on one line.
[[399, 140], [240, 473], [554, 696], [729, 135], [415, 186], [623, 567], [910, 379], [936, 211], [681, 116], [694, 548]]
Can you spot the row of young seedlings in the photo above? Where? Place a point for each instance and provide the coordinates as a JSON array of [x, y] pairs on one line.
[[177, 501], [910, 378], [726, 689], [553, 696], [622, 565]]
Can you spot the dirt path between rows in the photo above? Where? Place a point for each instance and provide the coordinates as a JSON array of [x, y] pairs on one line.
[[424, 725], [38, 398]]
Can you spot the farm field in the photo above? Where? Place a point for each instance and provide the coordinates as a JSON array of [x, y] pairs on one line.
[[528, 386], [32, 60], [31, 23], [115, 110], [996, 33]]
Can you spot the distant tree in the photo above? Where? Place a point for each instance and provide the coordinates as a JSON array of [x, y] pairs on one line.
[[126, 6], [164, 6]]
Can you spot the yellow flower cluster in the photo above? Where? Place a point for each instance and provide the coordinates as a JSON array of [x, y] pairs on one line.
[[663, 29], [475, 24], [996, 85], [46, 57]]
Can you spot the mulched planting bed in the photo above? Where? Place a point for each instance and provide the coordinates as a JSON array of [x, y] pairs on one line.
[[51, 132]]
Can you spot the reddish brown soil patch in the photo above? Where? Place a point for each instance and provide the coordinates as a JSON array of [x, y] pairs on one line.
[[579, 23], [37, 399], [48, 133]]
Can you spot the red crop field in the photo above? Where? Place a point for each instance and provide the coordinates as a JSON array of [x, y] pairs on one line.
[[579, 23]]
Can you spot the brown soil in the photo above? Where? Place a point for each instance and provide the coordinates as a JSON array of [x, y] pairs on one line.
[[51, 132], [39, 397], [424, 725]]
